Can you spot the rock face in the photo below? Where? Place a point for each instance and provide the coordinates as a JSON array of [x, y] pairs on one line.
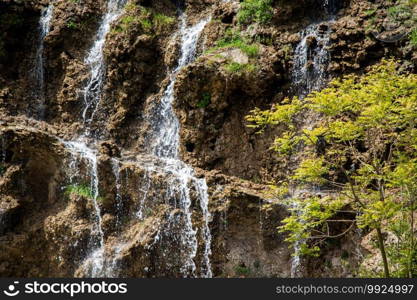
[[63, 208]]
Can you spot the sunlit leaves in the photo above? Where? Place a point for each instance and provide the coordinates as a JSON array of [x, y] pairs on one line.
[[280, 114], [378, 211], [362, 141], [307, 216], [311, 170]]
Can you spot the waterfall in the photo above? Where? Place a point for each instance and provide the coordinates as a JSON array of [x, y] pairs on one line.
[[311, 56], [95, 60], [162, 157], [164, 146], [94, 264], [119, 200], [81, 154], [38, 71], [165, 142], [311, 59]]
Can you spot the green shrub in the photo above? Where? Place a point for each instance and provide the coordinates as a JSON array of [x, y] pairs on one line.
[[258, 11], [71, 24], [242, 270], [233, 39], [413, 37], [81, 190], [235, 67], [144, 18], [205, 100]]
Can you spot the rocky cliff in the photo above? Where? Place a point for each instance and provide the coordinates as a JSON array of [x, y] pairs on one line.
[[123, 145]]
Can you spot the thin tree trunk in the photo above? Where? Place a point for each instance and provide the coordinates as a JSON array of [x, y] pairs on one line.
[[379, 233], [383, 253], [410, 260]]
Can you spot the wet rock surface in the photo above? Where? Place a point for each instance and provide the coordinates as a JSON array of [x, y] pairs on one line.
[[45, 228]]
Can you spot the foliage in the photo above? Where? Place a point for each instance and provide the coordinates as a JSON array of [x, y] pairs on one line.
[[235, 67], [413, 37], [364, 146], [71, 24], [255, 11], [81, 190], [242, 270], [144, 18], [205, 100], [402, 253], [399, 15], [234, 39]]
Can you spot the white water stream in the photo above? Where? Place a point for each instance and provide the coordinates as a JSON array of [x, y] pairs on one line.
[[164, 153], [94, 264], [311, 59], [38, 71], [95, 60], [164, 145]]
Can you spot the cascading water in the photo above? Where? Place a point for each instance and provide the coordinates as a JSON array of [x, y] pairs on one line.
[[95, 60], [81, 154], [309, 74], [165, 124], [119, 201], [164, 146], [38, 72], [310, 60], [94, 265], [164, 159], [311, 56]]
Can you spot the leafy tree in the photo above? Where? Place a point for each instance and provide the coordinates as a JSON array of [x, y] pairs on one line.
[[364, 147], [258, 11]]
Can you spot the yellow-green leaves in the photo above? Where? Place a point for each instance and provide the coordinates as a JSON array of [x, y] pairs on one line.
[[311, 170], [357, 137], [279, 114], [377, 212], [309, 215]]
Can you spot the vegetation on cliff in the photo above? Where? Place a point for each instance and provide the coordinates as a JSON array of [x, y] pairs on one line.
[[259, 11], [345, 170], [363, 147]]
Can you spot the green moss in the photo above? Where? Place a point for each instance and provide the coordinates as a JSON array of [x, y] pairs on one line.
[[205, 100], [233, 39], [144, 18], [161, 20], [71, 24], [370, 12], [413, 37], [242, 270], [81, 190], [235, 67]]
